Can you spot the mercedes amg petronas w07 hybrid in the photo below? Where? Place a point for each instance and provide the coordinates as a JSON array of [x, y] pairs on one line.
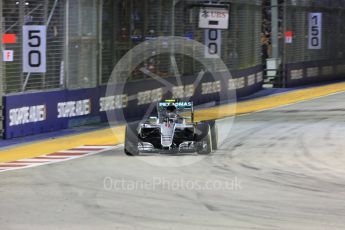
[[172, 131]]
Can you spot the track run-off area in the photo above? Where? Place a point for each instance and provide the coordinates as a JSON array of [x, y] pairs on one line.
[[280, 168]]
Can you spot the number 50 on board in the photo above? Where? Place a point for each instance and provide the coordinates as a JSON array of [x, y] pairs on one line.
[[34, 49]]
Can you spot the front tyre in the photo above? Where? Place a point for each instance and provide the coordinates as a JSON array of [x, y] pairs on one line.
[[204, 143], [131, 140], [214, 134]]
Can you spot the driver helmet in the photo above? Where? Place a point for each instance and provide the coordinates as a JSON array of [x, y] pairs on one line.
[[171, 110]]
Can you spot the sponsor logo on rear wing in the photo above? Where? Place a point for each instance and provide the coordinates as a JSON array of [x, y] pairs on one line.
[[179, 105], [182, 108]]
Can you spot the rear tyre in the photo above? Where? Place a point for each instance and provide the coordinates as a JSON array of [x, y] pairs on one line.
[[204, 139], [131, 140]]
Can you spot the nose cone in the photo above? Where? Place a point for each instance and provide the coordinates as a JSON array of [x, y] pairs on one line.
[[167, 134]]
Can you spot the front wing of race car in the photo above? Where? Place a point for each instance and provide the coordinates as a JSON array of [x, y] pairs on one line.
[[184, 139], [166, 138]]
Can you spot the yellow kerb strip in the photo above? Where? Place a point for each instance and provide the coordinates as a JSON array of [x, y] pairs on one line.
[[109, 137], [100, 137], [268, 102]]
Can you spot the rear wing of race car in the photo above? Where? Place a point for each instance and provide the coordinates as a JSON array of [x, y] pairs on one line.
[[182, 108]]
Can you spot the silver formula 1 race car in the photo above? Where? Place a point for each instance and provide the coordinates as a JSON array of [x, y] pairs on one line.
[[173, 131]]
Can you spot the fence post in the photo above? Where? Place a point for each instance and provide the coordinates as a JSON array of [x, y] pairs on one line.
[[274, 30]]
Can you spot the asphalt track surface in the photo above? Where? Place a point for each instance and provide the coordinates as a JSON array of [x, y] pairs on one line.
[[278, 169]]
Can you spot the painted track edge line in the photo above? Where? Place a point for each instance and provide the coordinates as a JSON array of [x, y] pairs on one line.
[[60, 160]]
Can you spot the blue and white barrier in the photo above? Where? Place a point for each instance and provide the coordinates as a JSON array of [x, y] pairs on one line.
[[39, 112]]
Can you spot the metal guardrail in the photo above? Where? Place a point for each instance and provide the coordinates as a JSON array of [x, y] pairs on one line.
[[86, 38], [140, 20]]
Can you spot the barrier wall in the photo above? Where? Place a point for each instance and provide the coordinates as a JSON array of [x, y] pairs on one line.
[[313, 72], [34, 113]]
